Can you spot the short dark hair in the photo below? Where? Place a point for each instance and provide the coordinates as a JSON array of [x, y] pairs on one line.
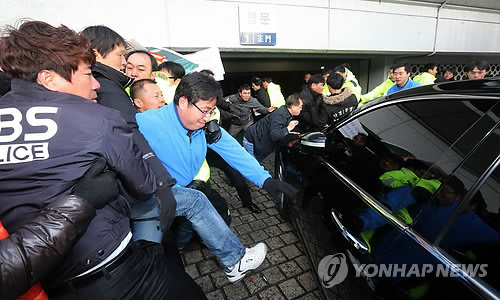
[[138, 86], [335, 81], [207, 72], [293, 99], [243, 87], [452, 70], [176, 69], [479, 64], [38, 46], [340, 69], [316, 78], [196, 87], [267, 79], [429, 66], [154, 63], [326, 71], [456, 184], [406, 65], [257, 81], [103, 39]]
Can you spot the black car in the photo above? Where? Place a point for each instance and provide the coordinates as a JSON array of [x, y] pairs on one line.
[[406, 190]]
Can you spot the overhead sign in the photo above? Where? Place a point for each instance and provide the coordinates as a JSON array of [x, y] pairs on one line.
[[257, 25]]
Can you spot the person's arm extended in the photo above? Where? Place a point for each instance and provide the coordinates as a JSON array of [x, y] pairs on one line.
[[279, 127], [125, 158], [141, 170], [238, 158], [257, 106], [39, 246]]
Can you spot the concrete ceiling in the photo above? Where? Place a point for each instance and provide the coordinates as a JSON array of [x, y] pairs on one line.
[[488, 4]]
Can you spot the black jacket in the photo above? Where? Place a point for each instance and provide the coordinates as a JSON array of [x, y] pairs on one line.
[[314, 115], [40, 245], [339, 104], [270, 132], [112, 94], [263, 97], [58, 137]]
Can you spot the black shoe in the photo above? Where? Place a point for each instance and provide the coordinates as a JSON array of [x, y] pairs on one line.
[[253, 208]]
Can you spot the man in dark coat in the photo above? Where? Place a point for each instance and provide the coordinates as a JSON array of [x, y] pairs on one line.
[[264, 136], [314, 115], [109, 48], [341, 100]]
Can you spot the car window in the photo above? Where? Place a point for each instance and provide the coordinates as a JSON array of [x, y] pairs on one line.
[[469, 206], [411, 145]]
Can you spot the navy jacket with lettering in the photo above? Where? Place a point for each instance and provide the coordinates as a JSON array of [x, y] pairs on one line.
[[47, 142]]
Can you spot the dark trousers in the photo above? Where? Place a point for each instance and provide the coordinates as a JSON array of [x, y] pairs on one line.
[[235, 178], [146, 274]]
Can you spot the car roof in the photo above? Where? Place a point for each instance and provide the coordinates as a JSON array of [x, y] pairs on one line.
[[478, 88], [487, 86]]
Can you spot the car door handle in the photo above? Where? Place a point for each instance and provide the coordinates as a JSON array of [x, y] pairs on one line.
[[359, 244]]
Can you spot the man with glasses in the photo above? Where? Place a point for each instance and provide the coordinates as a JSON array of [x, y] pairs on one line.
[[182, 149], [402, 72], [173, 73]]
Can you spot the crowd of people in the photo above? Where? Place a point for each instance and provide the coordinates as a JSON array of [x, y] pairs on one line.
[[109, 154]]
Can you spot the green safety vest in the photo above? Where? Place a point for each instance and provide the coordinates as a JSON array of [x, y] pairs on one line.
[[398, 178], [203, 173], [379, 91], [425, 78], [326, 90], [352, 83], [275, 95]]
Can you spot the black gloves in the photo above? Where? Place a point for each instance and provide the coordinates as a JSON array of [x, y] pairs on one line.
[[97, 187], [275, 188], [166, 203], [212, 132]]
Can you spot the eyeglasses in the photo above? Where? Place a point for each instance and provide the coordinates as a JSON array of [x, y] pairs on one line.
[[210, 112]]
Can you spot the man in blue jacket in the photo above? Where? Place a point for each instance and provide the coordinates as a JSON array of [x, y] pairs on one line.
[[402, 72], [182, 149]]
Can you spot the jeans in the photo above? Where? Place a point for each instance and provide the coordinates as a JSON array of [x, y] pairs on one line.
[[183, 228], [209, 225], [207, 222], [249, 147]]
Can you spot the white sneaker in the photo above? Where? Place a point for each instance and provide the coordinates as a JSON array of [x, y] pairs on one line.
[[252, 259]]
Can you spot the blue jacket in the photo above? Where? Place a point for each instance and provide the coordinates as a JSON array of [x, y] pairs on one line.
[[468, 229], [55, 141], [409, 84], [182, 151]]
